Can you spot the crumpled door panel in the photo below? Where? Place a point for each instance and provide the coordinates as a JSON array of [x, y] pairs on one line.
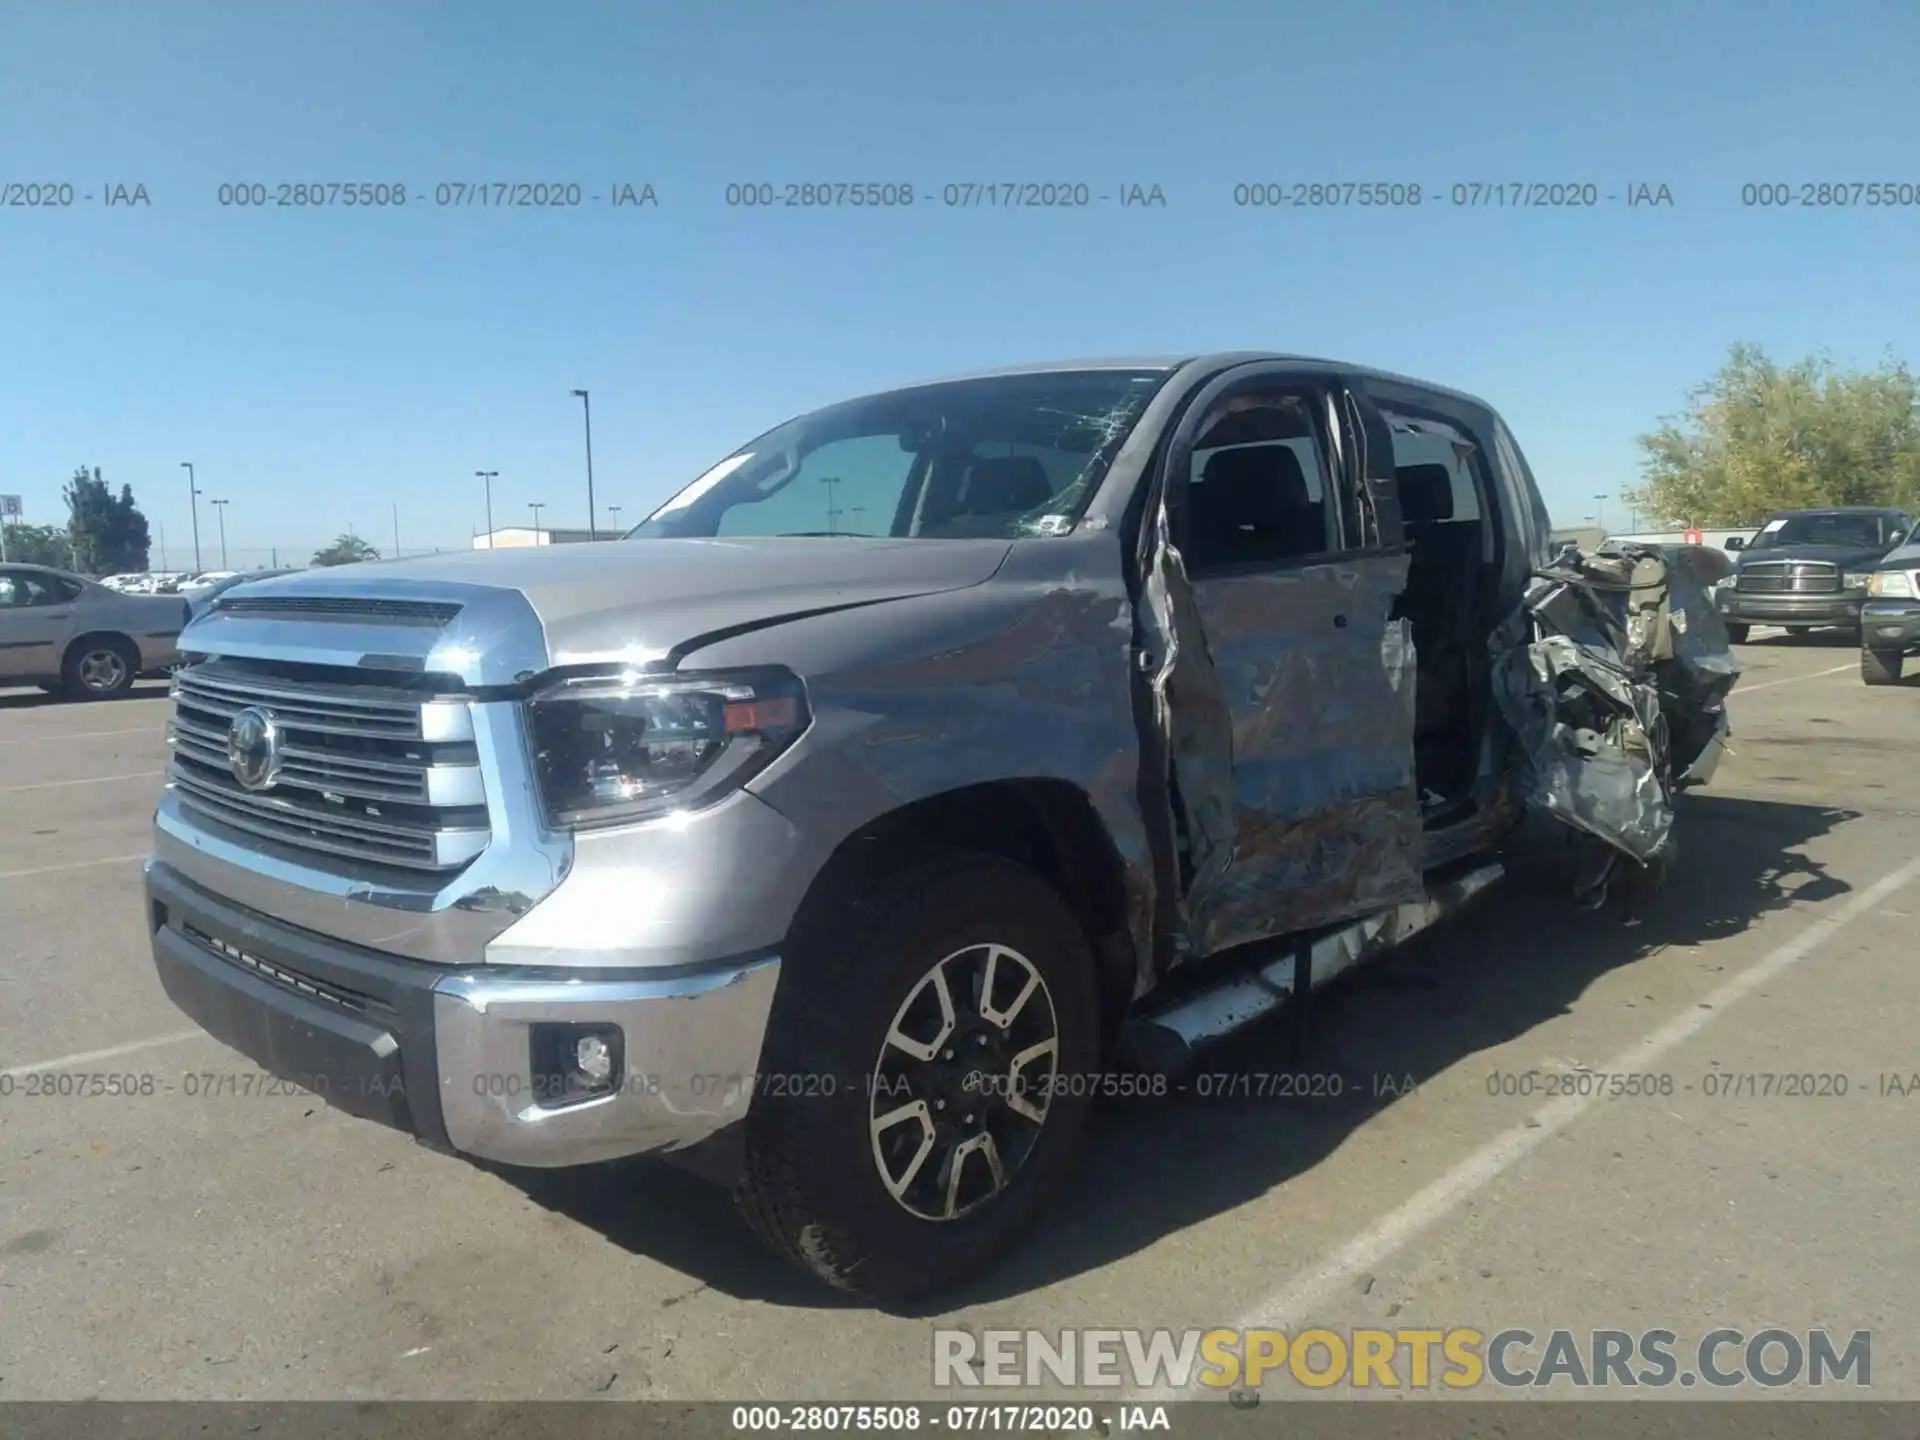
[[1613, 672], [1286, 703]]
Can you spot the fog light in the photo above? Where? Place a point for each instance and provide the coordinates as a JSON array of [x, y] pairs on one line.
[[571, 1063], [593, 1058]]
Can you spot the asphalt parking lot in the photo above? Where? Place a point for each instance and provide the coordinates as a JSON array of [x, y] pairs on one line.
[[260, 1246]]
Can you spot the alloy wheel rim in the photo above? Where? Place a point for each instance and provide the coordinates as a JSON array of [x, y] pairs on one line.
[[102, 669], [964, 1081]]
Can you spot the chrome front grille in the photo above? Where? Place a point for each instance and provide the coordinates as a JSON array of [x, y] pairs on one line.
[[367, 773], [1789, 577]]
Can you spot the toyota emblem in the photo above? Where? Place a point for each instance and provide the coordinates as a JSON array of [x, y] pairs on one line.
[[253, 748]]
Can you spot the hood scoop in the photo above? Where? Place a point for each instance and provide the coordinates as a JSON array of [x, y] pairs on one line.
[[434, 613]]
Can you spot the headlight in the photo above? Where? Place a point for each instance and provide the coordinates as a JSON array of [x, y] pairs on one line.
[[1858, 580], [617, 748], [1893, 583]]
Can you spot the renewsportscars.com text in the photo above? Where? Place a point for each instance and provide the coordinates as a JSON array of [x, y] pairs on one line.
[[1459, 1358]]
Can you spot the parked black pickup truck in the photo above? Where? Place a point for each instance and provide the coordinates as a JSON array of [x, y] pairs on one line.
[[1809, 568]]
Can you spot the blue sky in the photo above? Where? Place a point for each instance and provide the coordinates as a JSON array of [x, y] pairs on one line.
[[319, 366]]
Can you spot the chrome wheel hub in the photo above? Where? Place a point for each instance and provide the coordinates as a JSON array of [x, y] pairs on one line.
[[963, 1083], [102, 669]]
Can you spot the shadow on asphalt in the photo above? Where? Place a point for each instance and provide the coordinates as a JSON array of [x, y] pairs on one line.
[[1151, 1168]]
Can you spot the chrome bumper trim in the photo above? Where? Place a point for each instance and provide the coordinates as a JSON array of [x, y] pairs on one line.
[[692, 1047]]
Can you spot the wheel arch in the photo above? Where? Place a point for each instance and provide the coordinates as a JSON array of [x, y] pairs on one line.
[[1048, 826]]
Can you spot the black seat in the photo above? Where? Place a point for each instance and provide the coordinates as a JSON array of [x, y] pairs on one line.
[[989, 494], [1005, 485], [1254, 505]]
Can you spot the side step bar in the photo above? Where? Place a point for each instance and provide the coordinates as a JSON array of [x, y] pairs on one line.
[[1169, 1039]]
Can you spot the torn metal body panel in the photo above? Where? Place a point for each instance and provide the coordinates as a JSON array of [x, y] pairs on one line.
[[1282, 692], [1317, 686], [1614, 673]]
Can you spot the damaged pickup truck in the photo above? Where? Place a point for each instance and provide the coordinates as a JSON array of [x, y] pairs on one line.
[[921, 763]]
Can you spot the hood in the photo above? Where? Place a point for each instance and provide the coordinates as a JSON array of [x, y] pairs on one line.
[[629, 600], [1842, 555]]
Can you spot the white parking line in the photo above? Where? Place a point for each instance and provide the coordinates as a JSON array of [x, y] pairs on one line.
[[1740, 689], [112, 1052], [1294, 1304], [70, 865], [84, 735], [90, 780]]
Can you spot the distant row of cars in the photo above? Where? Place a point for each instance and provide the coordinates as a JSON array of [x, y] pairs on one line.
[[91, 639]]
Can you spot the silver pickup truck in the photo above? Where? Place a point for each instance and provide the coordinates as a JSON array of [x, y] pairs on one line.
[[920, 767]]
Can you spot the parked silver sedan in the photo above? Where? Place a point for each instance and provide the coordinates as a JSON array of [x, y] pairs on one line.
[[77, 638]]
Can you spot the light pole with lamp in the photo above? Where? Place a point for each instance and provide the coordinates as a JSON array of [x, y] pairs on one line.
[[536, 506], [220, 509], [586, 405], [193, 498], [489, 476]]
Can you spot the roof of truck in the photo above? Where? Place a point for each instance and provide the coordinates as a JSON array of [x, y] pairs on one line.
[[1216, 360]]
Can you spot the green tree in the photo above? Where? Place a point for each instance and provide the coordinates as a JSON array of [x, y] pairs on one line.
[[39, 545], [1758, 437], [109, 533], [346, 550]]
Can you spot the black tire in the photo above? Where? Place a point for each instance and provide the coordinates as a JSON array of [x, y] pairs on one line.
[[99, 667], [1737, 633], [1881, 667], [812, 1185]]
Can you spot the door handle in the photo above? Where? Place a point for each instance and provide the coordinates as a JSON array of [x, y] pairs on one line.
[[1339, 622]]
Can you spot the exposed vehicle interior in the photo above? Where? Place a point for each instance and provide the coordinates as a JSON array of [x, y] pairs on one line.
[[1258, 495], [1449, 600]]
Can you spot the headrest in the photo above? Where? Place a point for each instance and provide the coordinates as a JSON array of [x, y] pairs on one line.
[[1262, 484], [1007, 484], [1426, 493]]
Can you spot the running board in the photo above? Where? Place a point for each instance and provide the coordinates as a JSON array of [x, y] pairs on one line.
[[1168, 1040]]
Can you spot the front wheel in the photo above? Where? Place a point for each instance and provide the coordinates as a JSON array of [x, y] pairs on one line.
[[946, 1028], [1737, 633], [1881, 667]]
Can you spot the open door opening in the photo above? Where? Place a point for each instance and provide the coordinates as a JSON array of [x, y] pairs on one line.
[[1450, 603]]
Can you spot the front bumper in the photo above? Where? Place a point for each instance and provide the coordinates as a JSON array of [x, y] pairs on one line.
[[1750, 608], [1890, 624], [447, 1054]]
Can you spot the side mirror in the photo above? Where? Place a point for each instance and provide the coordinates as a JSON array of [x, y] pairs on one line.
[[1734, 542]]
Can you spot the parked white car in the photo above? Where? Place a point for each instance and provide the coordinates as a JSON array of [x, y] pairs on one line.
[[76, 637]]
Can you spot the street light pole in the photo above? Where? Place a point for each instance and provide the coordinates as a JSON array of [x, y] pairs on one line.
[[220, 509], [1600, 511], [193, 498], [586, 406], [536, 506], [489, 476], [614, 510], [396, 529]]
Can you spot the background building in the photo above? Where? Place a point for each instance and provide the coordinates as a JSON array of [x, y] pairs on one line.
[[508, 537]]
